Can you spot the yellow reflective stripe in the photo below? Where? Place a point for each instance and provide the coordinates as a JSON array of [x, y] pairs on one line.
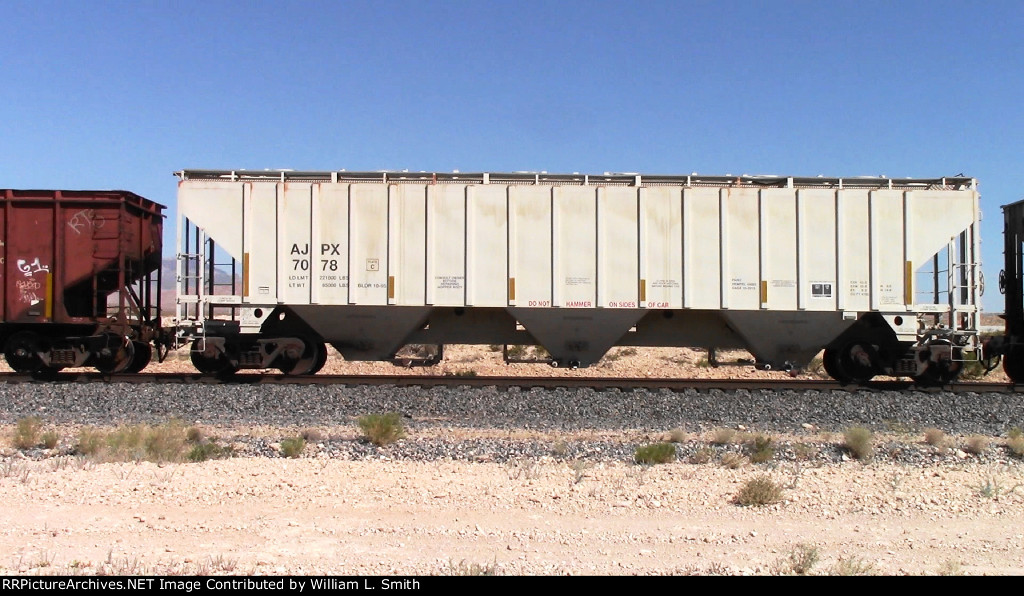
[[908, 284], [48, 309], [245, 274]]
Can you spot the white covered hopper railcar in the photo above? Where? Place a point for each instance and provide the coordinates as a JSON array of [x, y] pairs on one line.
[[882, 272]]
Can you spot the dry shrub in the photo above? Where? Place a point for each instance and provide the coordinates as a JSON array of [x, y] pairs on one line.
[[853, 566], [702, 455], [140, 442], [677, 435], [950, 568], [1016, 446], [732, 460], [723, 436], [805, 452], [165, 442], [49, 439], [800, 561], [936, 437], [312, 435], [26, 432], [762, 449], [194, 435], [976, 444], [760, 490], [91, 441], [859, 442], [462, 568]]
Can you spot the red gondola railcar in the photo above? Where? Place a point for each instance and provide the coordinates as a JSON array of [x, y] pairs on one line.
[[79, 279]]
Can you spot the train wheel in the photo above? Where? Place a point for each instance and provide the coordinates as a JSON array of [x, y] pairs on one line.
[[944, 367], [1013, 363], [312, 359], [854, 362], [830, 361], [216, 365], [116, 357], [22, 352], [143, 354], [321, 358]]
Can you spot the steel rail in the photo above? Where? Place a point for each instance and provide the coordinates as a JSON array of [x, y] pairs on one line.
[[600, 383]]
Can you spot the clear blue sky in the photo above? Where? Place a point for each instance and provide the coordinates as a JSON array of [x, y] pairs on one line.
[[121, 94]]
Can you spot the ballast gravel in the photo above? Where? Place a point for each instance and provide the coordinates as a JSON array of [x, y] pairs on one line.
[[481, 424], [492, 408]]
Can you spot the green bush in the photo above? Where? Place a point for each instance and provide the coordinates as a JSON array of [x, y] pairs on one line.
[[292, 446], [972, 370], [205, 451], [382, 429], [655, 453]]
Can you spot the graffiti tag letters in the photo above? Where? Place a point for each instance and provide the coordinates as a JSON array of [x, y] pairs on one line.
[[85, 218], [30, 268], [27, 291]]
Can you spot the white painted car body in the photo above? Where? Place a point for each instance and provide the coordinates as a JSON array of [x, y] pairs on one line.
[[578, 263]]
